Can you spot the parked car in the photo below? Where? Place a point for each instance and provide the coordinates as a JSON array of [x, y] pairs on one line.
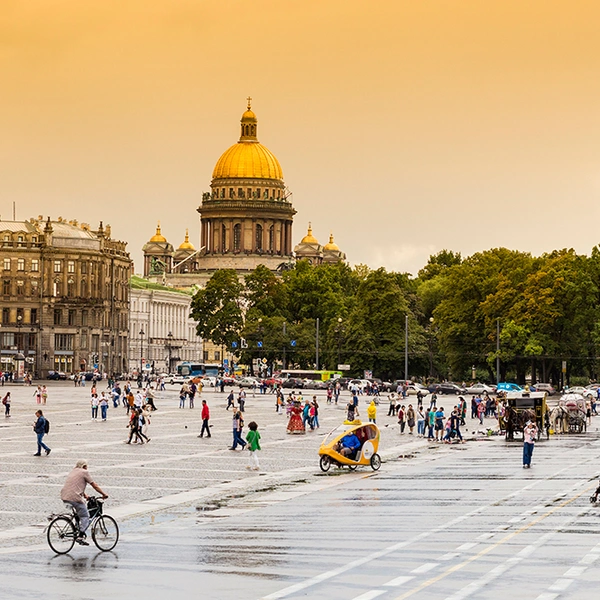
[[415, 388], [579, 389], [248, 382], [179, 379], [446, 388], [481, 388], [209, 381], [544, 387], [361, 384], [57, 375], [293, 383], [315, 384], [272, 381]]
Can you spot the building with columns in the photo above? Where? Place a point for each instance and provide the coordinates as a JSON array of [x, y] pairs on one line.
[[162, 334]]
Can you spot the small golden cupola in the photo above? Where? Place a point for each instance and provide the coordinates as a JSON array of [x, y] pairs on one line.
[[332, 252], [186, 244], [309, 248], [331, 245], [249, 125], [309, 238], [158, 236]]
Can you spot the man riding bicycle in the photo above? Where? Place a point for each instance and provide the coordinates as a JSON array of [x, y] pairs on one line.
[[73, 493]]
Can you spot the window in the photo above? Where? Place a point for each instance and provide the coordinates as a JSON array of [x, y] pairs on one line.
[[6, 287], [20, 240], [205, 355], [83, 340], [7, 264], [83, 268], [57, 316], [20, 287], [34, 316], [63, 341], [34, 239], [72, 317], [258, 193], [8, 340], [19, 315], [57, 266], [240, 193], [5, 316], [20, 264], [95, 343], [35, 265], [237, 238], [231, 192], [217, 355], [84, 317], [35, 287], [71, 287], [259, 237], [71, 266], [82, 288]]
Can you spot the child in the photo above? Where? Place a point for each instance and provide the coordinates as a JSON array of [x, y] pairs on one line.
[[253, 439]]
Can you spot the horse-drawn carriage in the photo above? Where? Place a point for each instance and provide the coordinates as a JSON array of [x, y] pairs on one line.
[[570, 414], [523, 406]]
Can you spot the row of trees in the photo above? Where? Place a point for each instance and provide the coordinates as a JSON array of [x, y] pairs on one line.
[[547, 308]]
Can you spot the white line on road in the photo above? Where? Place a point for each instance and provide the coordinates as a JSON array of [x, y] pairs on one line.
[[398, 581], [370, 595], [425, 568]]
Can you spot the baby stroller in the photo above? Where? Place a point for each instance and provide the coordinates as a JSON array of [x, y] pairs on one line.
[[594, 496]]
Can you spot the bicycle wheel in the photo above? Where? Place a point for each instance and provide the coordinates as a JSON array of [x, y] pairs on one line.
[[61, 535], [105, 533], [324, 463]]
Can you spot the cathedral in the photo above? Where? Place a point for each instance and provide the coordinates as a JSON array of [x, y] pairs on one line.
[[245, 220]]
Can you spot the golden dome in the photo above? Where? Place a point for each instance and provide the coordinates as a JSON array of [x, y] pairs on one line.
[[248, 159], [331, 245], [158, 237], [309, 238], [187, 245]]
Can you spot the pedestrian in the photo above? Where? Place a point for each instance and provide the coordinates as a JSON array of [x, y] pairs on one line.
[[94, 402], [338, 388], [481, 408], [192, 393], [103, 406], [41, 427], [439, 424], [253, 439], [402, 418], [420, 422], [145, 421], [530, 433], [306, 415], [134, 426], [475, 400], [182, 396], [205, 415], [238, 426], [230, 401], [242, 399], [392, 409], [410, 419], [329, 394], [372, 412], [6, 402], [44, 394], [38, 394], [351, 412]]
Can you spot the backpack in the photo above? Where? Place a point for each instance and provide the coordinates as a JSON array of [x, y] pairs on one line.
[[46, 426]]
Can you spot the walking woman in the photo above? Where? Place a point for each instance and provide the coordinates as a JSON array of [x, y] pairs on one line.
[[420, 422], [410, 418], [237, 426], [6, 402]]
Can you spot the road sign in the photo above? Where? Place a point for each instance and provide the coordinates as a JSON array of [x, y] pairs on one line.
[[147, 365], [259, 344], [234, 344], [368, 374], [225, 362], [243, 343], [343, 367], [293, 343], [564, 366], [264, 360]]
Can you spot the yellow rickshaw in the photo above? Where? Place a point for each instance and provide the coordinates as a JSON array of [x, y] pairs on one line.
[[333, 451]]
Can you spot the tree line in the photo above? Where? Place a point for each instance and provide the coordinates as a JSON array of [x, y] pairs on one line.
[[546, 309]]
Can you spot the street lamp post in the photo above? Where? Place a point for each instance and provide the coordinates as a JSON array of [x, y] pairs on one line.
[[142, 334], [260, 345], [19, 358], [169, 349], [338, 331]]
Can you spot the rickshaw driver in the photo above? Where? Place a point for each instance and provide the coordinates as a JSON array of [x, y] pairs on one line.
[[348, 445]]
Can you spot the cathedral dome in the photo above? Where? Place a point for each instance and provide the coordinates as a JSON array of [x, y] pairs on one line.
[[331, 245], [186, 244], [309, 238], [158, 236], [248, 159]]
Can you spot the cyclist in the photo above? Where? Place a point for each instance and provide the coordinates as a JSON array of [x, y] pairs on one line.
[[73, 493]]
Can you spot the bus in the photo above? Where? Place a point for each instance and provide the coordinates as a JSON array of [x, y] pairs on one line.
[[314, 375], [189, 369]]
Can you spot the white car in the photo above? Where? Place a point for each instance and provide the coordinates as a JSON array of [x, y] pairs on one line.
[[179, 379], [579, 389], [480, 388], [415, 388], [209, 381], [360, 384]]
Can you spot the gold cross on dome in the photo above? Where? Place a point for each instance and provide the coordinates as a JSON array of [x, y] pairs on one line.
[[249, 102]]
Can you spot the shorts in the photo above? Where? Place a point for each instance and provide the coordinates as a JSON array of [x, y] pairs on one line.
[[439, 425]]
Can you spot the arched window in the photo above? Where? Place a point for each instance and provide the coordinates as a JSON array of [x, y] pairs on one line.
[[83, 289], [71, 287], [223, 238], [259, 237], [237, 238]]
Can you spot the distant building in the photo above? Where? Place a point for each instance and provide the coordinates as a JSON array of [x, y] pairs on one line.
[[65, 297], [162, 334]]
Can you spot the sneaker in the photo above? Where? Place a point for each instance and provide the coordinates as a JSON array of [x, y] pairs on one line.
[[48, 451], [37, 454], [81, 541]]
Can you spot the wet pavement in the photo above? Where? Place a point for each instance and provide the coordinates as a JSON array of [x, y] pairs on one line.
[[437, 521]]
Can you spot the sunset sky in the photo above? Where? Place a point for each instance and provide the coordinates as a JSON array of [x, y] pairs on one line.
[[405, 127]]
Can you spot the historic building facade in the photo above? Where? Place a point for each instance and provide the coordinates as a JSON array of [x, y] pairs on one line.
[[65, 297], [161, 332]]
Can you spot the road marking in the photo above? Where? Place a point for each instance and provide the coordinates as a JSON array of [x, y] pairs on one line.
[[398, 581], [466, 546], [560, 585], [494, 573], [425, 568], [547, 596], [370, 595], [449, 556]]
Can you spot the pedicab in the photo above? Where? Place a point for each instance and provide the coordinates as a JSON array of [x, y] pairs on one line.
[[331, 448]]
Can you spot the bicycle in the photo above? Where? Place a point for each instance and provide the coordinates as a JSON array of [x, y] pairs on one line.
[[63, 530]]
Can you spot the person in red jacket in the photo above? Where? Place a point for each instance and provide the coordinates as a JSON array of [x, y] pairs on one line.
[[205, 417]]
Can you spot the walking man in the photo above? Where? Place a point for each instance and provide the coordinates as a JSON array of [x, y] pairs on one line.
[[205, 417], [40, 427], [529, 436], [73, 493]]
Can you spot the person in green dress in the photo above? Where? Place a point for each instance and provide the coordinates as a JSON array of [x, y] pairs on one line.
[[253, 439]]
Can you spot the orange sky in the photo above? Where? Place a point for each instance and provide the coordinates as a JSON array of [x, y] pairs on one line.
[[403, 126]]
